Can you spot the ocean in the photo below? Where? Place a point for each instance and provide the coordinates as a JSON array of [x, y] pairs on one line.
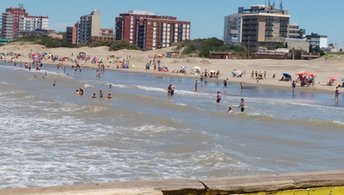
[[51, 136]]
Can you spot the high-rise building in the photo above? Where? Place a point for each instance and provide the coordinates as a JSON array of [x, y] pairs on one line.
[[7, 26], [15, 20], [150, 31], [89, 25], [259, 25], [232, 30]]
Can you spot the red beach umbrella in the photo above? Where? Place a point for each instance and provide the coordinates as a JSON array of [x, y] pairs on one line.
[[333, 78]]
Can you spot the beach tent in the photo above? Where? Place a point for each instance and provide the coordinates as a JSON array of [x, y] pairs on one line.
[[196, 70], [237, 73]]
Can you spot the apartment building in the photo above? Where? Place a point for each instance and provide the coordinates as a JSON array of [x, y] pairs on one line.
[[150, 31], [72, 33], [256, 26], [316, 40], [232, 29], [16, 20], [31, 23], [263, 26], [295, 32], [89, 25]]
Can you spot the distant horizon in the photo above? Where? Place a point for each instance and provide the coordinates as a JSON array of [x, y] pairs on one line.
[[207, 18]]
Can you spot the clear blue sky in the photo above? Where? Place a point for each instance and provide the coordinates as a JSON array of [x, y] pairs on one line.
[[206, 16]]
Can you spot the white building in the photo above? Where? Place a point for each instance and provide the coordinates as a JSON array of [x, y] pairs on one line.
[[316, 40], [89, 25], [7, 26], [232, 29], [32, 23]]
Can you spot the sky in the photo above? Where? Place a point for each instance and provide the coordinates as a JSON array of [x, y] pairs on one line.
[[206, 16]]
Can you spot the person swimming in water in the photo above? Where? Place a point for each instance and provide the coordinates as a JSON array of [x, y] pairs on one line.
[[109, 96], [94, 96]]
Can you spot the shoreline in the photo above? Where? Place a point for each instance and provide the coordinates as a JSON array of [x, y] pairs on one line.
[[283, 85], [138, 59]]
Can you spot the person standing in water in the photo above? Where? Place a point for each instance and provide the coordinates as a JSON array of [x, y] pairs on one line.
[[225, 83], [54, 83], [170, 90], [336, 94], [218, 97], [293, 85], [242, 105], [196, 85], [100, 94]]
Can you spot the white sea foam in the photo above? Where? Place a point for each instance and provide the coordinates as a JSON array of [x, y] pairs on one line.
[[339, 122], [121, 86], [146, 88], [86, 85]]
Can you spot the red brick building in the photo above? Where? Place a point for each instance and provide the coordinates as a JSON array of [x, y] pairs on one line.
[[150, 31], [17, 13]]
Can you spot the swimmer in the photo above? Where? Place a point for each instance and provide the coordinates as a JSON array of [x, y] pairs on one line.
[[54, 83], [229, 109], [109, 96], [94, 96]]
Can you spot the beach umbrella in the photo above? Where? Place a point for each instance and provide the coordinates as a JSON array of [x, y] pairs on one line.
[[196, 68], [333, 78], [306, 73], [287, 75]]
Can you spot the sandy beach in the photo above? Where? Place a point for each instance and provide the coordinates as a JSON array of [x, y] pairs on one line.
[[323, 68]]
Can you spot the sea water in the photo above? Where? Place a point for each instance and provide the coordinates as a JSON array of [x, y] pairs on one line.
[[51, 136]]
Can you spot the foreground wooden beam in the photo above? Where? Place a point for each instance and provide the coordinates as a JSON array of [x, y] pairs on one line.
[[328, 182]]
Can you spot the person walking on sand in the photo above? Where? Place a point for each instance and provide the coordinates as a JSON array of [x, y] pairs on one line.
[[242, 105], [218, 97], [336, 94]]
